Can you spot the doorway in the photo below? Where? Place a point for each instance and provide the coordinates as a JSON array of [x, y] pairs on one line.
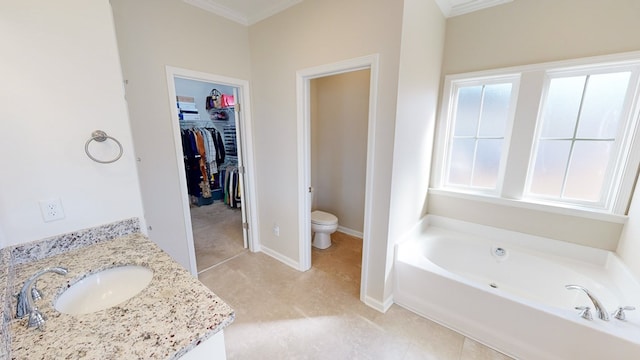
[[215, 161], [304, 78], [339, 119]]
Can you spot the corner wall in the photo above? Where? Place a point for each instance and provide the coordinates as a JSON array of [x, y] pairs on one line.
[[339, 122], [534, 31], [151, 35], [629, 245], [423, 34], [313, 33], [528, 32], [61, 80]]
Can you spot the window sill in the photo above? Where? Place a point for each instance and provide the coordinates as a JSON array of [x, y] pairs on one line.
[[554, 209]]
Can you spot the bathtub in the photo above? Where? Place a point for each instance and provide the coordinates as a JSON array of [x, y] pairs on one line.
[[507, 291]]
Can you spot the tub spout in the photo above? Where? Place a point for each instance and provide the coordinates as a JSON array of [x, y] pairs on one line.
[[600, 309]]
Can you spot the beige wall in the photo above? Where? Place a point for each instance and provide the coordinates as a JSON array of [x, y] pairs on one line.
[[312, 33], [151, 35], [339, 145], [584, 231], [526, 32], [418, 85], [629, 246], [533, 31], [60, 81], [423, 32]]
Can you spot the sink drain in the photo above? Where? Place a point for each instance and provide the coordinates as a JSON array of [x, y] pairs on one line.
[[494, 285]]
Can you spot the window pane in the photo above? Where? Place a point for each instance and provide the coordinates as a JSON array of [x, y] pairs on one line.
[[549, 170], [461, 161], [487, 163], [562, 106], [495, 109], [589, 162], [602, 105], [468, 111]]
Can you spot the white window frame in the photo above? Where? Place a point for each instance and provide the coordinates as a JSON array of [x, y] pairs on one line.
[[521, 136], [613, 177], [455, 85]]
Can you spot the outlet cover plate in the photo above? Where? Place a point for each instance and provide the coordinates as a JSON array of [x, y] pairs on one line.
[[51, 210]]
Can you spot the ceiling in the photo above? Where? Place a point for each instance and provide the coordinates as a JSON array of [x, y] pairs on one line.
[[249, 12]]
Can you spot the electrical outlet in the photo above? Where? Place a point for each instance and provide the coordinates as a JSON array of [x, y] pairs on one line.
[[51, 210], [276, 230]]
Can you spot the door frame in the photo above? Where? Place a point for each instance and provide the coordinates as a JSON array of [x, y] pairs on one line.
[[245, 131], [303, 92]]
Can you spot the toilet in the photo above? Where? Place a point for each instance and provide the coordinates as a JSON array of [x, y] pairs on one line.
[[323, 225]]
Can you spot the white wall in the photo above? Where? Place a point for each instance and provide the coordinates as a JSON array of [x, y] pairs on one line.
[[151, 35], [60, 81], [321, 32], [313, 33], [529, 32], [418, 86], [339, 142], [423, 35], [629, 245]]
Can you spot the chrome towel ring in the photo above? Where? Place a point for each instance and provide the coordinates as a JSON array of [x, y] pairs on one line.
[[101, 136]]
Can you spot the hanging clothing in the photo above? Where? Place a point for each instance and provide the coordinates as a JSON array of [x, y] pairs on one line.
[[210, 149], [202, 163], [204, 154], [220, 151], [191, 163], [232, 191]]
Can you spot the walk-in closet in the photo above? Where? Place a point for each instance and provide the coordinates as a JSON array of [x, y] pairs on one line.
[[207, 116]]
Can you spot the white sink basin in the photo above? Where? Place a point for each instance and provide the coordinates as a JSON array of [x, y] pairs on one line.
[[104, 289]]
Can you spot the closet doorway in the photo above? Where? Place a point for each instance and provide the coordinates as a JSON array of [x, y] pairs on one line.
[[211, 126]]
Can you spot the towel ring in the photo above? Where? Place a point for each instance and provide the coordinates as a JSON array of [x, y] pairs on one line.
[[101, 136]]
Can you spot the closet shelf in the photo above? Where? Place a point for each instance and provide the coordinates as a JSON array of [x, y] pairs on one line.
[[196, 123]]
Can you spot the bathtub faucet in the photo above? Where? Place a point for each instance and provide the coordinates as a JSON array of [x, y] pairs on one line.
[[600, 310]]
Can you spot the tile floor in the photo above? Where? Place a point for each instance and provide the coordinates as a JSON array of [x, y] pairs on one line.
[[282, 313]]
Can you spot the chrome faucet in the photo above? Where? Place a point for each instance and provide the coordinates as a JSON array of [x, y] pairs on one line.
[[600, 309], [27, 295], [620, 313]]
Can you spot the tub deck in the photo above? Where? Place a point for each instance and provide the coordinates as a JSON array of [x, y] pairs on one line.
[[446, 276]]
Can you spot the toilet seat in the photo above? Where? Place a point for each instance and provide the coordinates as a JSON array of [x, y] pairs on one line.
[[323, 218]]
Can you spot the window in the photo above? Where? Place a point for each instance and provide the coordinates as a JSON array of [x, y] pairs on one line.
[[567, 141], [580, 128], [479, 122]]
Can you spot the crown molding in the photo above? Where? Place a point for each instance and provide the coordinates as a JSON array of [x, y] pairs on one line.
[[270, 11], [220, 10], [451, 8], [240, 17]]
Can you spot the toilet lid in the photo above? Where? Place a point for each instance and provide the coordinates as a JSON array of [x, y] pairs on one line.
[[323, 218]]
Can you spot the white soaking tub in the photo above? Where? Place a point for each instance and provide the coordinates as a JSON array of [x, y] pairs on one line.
[[507, 290]]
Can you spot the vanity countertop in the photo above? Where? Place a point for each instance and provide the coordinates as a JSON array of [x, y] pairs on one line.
[[173, 314]]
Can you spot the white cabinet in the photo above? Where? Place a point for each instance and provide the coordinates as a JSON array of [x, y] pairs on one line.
[[211, 349]]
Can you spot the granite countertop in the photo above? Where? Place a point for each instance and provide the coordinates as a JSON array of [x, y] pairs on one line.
[[173, 314]]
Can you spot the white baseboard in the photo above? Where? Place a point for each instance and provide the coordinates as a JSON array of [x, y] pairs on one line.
[[375, 304], [348, 231], [283, 259]]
